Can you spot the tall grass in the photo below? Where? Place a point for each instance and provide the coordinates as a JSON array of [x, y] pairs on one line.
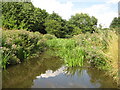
[[66, 49], [75, 52], [84, 47], [112, 54]]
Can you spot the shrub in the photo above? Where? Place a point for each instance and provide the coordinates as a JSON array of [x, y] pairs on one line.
[[19, 45], [48, 36]]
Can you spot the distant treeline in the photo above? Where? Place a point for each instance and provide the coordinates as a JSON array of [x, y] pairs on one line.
[[23, 15]]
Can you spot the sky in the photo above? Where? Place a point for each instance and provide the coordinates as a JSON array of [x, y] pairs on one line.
[[103, 10]]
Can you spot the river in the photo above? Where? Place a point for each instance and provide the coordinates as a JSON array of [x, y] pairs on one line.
[[49, 71]]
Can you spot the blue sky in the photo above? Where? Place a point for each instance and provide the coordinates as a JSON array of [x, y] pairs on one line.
[[103, 10]]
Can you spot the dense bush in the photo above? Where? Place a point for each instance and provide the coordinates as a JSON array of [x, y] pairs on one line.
[[19, 45], [95, 46]]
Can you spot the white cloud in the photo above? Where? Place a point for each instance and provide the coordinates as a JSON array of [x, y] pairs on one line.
[[86, 0], [50, 73], [113, 1], [63, 9], [103, 12]]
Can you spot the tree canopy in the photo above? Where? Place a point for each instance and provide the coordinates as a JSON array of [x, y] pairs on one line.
[[55, 25], [84, 22], [115, 23], [22, 15]]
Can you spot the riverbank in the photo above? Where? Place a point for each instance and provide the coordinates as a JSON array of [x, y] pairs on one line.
[[99, 50], [20, 45], [49, 71]]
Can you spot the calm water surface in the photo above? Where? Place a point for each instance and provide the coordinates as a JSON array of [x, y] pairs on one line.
[[48, 71]]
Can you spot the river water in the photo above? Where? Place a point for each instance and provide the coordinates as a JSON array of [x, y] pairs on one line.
[[49, 71]]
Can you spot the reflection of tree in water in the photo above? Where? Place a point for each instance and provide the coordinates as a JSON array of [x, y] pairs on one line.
[[22, 76], [71, 71], [96, 76], [100, 77]]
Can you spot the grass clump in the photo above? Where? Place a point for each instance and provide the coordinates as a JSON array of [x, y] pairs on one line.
[[75, 53], [66, 49], [112, 55]]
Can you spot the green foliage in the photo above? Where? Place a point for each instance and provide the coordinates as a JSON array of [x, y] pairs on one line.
[[72, 29], [5, 59], [48, 36], [95, 46], [22, 15], [115, 23], [80, 23], [19, 45], [55, 25], [73, 56], [84, 22], [83, 47]]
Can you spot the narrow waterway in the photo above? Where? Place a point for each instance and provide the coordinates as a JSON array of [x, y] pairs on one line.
[[48, 71]]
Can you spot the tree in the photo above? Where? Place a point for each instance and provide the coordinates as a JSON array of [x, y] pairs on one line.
[[115, 23], [55, 25], [72, 29], [22, 15], [84, 22], [37, 20]]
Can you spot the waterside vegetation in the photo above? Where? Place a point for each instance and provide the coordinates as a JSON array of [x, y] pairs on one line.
[[29, 31]]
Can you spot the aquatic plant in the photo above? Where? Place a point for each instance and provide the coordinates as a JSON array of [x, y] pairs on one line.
[[66, 49], [5, 59]]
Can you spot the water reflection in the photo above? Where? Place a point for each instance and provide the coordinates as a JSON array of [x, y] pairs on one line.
[[22, 76], [96, 77], [70, 71], [48, 71], [76, 77], [51, 73]]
